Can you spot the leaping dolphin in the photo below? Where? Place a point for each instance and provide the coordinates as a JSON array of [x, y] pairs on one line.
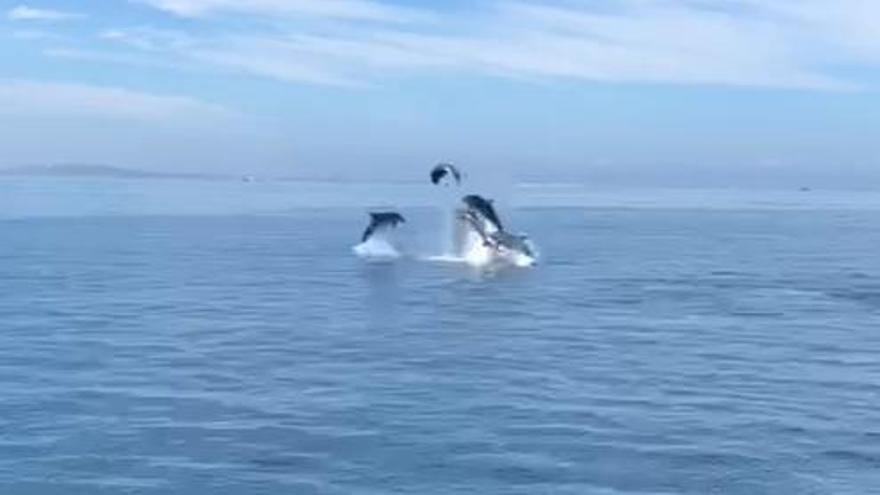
[[484, 207], [489, 236], [380, 221], [443, 170]]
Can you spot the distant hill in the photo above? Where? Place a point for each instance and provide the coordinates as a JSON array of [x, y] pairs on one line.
[[89, 170]]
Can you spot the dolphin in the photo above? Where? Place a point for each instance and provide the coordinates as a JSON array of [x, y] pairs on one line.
[[483, 207], [442, 170], [382, 220], [479, 216]]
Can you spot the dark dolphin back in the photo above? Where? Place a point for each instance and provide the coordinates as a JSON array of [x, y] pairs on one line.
[[444, 169], [387, 217], [484, 206], [381, 219]]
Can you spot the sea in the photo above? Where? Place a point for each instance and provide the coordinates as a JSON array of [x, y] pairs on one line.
[[221, 337]]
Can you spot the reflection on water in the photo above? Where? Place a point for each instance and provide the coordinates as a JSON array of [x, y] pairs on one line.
[[383, 292]]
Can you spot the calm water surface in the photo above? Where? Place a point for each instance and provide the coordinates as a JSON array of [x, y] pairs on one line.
[[165, 338]]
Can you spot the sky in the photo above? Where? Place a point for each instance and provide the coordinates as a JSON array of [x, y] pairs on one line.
[[748, 92]]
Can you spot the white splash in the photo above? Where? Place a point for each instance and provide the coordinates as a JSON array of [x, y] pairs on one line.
[[377, 248], [443, 258], [474, 251], [522, 260], [525, 260], [449, 234], [461, 245]]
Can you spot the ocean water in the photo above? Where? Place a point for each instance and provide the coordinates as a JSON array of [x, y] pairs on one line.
[[161, 337]]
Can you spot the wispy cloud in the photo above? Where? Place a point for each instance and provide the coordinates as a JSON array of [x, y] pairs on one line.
[[340, 9], [26, 13], [30, 98], [99, 56], [784, 44], [261, 57]]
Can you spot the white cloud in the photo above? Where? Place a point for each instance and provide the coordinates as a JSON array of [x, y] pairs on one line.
[[148, 61], [849, 27], [785, 43], [340, 9], [25, 13], [35, 98], [260, 57], [148, 39]]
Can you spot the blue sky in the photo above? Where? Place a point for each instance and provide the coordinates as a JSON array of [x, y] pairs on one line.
[[636, 91]]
